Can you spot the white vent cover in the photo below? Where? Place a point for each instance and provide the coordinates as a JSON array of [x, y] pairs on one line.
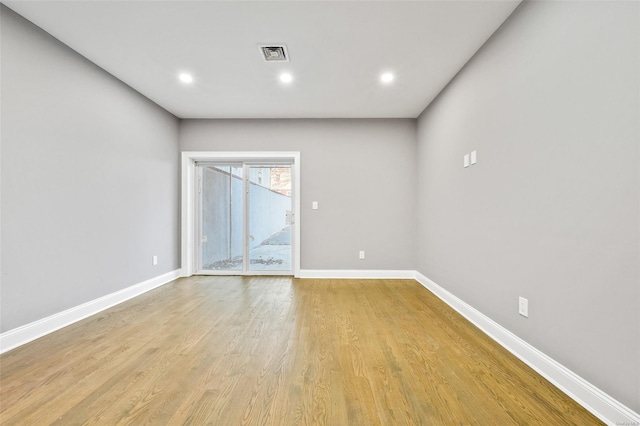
[[274, 52]]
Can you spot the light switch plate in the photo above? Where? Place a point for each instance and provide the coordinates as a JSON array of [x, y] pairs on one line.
[[474, 157], [314, 205], [466, 160], [361, 254], [523, 307]]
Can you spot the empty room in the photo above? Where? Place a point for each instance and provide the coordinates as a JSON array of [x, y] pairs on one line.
[[320, 212]]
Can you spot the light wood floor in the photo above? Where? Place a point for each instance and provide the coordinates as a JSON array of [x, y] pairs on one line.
[[277, 351]]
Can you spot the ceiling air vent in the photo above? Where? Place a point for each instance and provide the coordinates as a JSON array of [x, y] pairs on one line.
[[275, 52]]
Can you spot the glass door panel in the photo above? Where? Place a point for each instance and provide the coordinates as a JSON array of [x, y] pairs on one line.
[[269, 217], [221, 219]]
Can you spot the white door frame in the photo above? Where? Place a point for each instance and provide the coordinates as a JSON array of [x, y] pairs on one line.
[[188, 212]]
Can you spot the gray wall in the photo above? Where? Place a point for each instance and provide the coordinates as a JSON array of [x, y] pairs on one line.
[[89, 179], [550, 212], [361, 172]]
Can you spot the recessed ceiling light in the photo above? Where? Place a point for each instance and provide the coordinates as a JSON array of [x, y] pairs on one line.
[[186, 78], [285, 77], [387, 78]]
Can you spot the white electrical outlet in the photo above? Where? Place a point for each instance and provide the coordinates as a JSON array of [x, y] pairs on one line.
[[314, 205], [361, 254], [523, 307], [154, 260]]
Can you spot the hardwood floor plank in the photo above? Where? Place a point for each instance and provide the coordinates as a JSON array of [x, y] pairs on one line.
[[277, 351]]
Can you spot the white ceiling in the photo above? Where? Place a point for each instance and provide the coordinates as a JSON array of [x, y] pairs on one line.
[[338, 50]]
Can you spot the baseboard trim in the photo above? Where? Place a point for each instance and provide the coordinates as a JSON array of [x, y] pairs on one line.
[[19, 336], [590, 397], [357, 274]]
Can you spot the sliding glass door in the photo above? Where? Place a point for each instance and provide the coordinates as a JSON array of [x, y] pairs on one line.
[[221, 218], [269, 218], [245, 217]]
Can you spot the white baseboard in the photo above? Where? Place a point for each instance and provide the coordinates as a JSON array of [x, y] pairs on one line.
[[590, 397], [356, 274], [26, 333]]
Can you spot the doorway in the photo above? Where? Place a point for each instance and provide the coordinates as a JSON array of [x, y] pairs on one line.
[[243, 211]]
